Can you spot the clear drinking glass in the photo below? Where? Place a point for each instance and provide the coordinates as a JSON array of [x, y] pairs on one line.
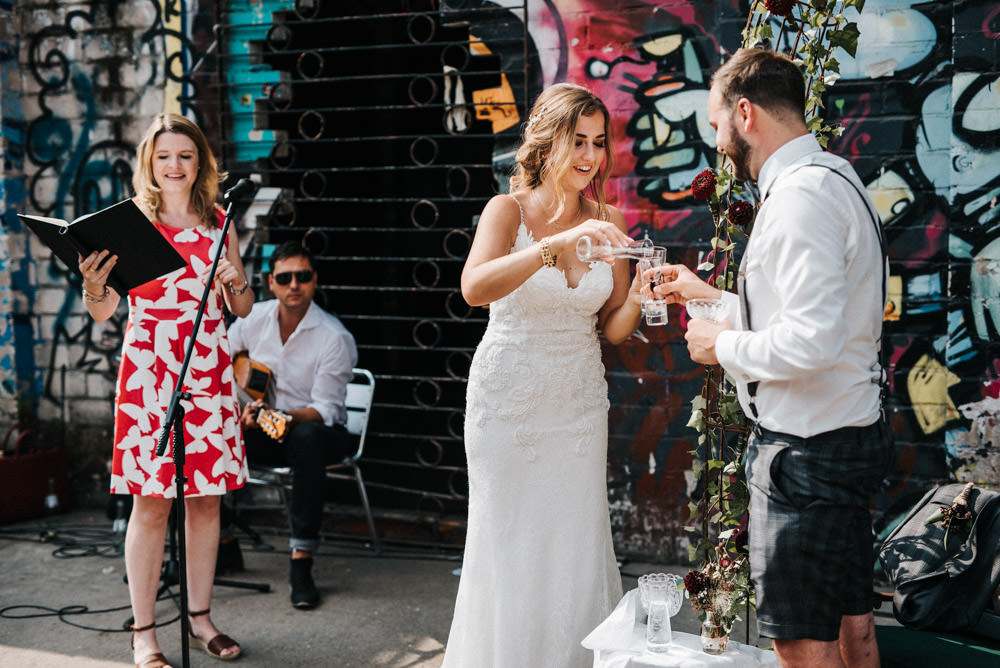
[[653, 306], [661, 599], [713, 310], [588, 251]]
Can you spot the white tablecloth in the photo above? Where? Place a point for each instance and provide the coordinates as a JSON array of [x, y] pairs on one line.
[[620, 642]]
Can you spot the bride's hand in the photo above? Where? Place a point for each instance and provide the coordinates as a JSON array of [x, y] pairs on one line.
[[600, 232]]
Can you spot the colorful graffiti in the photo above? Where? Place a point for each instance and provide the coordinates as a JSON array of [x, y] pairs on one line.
[[918, 105], [919, 110], [17, 366], [78, 143]]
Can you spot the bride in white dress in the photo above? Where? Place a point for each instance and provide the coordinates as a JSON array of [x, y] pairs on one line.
[[539, 571]]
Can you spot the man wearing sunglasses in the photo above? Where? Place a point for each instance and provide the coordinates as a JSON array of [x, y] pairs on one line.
[[310, 355]]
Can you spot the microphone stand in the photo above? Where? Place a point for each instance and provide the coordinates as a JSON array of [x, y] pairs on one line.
[[173, 423]]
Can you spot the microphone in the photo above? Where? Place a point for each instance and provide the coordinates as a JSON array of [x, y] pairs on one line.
[[244, 188]]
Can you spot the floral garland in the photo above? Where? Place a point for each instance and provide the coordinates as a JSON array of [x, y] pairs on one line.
[[809, 31]]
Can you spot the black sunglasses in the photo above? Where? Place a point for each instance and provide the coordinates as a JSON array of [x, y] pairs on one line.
[[285, 277]]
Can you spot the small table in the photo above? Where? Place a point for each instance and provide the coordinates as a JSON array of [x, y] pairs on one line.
[[685, 652], [620, 642]]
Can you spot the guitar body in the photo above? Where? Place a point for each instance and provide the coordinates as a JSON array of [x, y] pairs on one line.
[[253, 379], [252, 376]]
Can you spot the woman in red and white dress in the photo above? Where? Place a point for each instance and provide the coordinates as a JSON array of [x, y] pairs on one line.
[[176, 181]]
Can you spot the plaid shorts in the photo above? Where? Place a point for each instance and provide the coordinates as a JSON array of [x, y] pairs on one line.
[[811, 552]]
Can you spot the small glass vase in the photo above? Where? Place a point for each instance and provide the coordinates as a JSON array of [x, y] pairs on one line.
[[714, 635]]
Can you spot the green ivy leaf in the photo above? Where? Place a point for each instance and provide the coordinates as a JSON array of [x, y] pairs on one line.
[[846, 38]]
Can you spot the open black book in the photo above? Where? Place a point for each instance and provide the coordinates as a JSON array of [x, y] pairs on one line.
[[122, 228]]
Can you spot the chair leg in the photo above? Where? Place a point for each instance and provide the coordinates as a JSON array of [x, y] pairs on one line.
[[368, 508]]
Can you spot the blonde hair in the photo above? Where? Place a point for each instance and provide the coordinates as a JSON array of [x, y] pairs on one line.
[[546, 151], [206, 186]]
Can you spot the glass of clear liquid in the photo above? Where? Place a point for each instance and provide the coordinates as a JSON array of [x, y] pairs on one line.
[[713, 310], [588, 250], [653, 306]]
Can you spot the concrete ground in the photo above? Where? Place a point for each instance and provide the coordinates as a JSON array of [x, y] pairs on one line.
[[64, 603]]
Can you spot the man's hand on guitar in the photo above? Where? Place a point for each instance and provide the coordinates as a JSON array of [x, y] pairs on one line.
[[249, 416], [258, 415]]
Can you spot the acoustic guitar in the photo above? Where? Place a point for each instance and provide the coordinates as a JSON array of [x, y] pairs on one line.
[[253, 379]]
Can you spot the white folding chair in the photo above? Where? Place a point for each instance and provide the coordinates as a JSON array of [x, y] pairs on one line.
[[360, 395]]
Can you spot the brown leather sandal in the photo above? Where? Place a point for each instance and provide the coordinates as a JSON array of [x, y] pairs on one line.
[[156, 660], [216, 645]]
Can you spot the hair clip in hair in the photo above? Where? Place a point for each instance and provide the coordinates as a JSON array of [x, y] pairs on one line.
[[535, 116]]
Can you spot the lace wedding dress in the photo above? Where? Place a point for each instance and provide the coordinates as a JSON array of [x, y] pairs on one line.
[[539, 571]]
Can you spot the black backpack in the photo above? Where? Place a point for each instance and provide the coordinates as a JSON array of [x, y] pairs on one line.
[[944, 585]]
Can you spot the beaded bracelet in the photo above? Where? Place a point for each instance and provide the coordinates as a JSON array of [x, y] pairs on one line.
[[87, 297], [548, 259], [236, 293]]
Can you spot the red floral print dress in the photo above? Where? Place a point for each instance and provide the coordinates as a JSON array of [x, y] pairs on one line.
[[160, 321]]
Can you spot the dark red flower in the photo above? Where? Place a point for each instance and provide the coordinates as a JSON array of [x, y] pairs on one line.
[[740, 538], [741, 214], [703, 185], [695, 582], [780, 7]]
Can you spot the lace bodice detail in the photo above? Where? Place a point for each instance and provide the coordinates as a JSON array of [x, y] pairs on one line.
[[545, 305], [541, 351]]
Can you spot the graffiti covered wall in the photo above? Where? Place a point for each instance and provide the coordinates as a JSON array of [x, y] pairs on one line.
[[81, 81], [919, 106]]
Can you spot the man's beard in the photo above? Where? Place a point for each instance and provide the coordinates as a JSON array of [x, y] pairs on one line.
[[738, 153]]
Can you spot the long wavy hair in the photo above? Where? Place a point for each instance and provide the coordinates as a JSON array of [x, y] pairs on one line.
[[206, 186], [546, 152]]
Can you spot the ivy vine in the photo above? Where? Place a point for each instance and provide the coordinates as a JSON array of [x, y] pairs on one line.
[[809, 32]]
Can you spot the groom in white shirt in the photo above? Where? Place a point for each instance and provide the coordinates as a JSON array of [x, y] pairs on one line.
[[311, 356], [803, 348]]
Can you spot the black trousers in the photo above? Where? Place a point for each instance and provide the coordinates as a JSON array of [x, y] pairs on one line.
[[307, 450]]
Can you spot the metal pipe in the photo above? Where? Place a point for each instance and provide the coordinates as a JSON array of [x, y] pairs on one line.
[[311, 125], [279, 96], [456, 244], [418, 95], [279, 37], [424, 387], [455, 55], [420, 34], [282, 155], [424, 267], [307, 9], [423, 151], [433, 458], [312, 184], [421, 210], [450, 179], [463, 310], [310, 64], [458, 484], [426, 334], [457, 364], [316, 241], [456, 424]]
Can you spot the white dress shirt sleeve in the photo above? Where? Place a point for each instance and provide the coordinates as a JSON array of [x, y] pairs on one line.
[[334, 372], [796, 285]]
